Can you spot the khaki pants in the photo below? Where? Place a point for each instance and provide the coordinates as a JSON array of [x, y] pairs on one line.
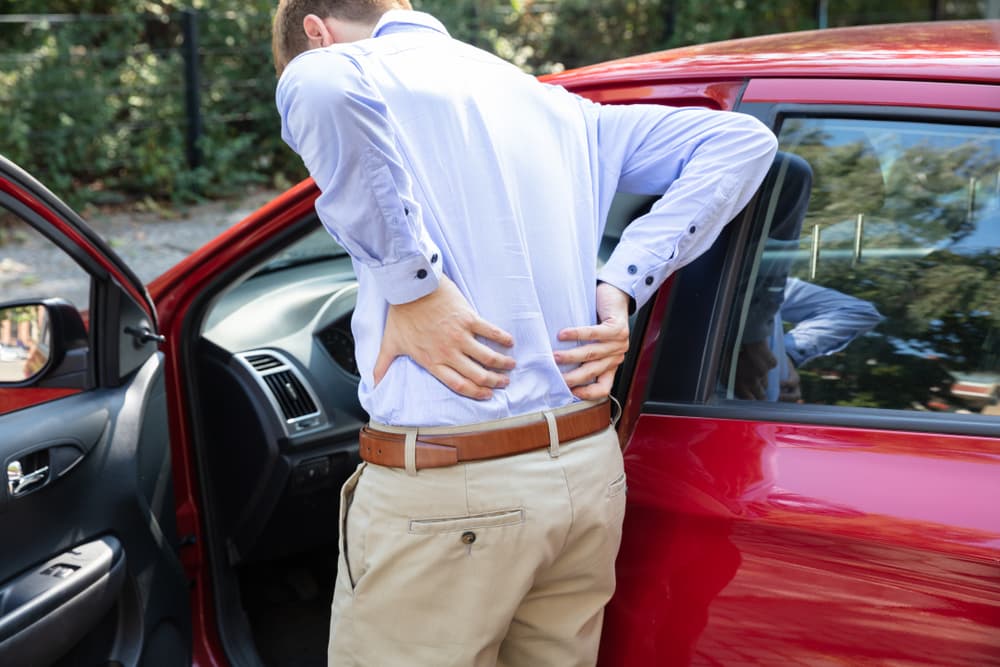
[[505, 562]]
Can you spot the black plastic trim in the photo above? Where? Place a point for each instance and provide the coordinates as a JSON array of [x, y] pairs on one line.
[[43, 612], [699, 289], [833, 415], [771, 112]]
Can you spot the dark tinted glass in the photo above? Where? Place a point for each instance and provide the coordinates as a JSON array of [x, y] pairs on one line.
[[875, 281]]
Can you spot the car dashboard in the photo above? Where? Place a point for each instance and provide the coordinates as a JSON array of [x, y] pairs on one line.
[[278, 396]]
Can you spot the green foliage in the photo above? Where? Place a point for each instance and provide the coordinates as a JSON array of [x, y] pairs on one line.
[[94, 99], [95, 106]]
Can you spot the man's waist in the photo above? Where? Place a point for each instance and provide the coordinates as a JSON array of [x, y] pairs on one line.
[[448, 445], [410, 396]]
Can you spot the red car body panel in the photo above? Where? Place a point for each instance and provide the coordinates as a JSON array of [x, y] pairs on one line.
[[791, 544], [18, 398], [924, 94], [943, 51], [714, 95]]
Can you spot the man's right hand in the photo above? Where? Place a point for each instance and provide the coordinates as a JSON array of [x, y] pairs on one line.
[[438, 331], [603, 346]]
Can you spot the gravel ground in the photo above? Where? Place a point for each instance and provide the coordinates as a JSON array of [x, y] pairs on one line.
[[149, 242]]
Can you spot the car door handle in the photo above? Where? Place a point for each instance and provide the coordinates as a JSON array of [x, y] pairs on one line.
[[19, 482]]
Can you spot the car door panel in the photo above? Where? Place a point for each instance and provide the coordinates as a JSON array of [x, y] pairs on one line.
[[49, 608], [119, 493], [750, 541], [93, 474]]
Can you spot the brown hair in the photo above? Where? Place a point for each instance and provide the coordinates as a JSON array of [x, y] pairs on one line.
[[287, 36]]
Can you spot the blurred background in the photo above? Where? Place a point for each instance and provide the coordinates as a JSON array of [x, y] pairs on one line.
[[112, 102]]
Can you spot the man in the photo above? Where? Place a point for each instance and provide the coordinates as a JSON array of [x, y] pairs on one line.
[[825, 322], [483, 527]]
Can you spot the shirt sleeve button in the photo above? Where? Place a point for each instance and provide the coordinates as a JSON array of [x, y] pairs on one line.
[[649, 280], [421, 274], [434, 258], [632, 269]]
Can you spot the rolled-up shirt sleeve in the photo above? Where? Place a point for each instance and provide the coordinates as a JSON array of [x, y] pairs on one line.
[[337, 122], [706, 164]]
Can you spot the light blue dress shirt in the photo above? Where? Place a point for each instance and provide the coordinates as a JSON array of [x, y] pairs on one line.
[[433, 156], [825, 320]]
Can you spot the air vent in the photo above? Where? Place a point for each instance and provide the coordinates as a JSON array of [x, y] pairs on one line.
[[263, 362], [290, 394], [286, 389]]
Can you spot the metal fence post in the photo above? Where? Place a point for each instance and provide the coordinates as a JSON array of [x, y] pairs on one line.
[[192, 85]]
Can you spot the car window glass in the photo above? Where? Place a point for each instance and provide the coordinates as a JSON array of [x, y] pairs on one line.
[[874, 283], [31, 268], [317, 246]]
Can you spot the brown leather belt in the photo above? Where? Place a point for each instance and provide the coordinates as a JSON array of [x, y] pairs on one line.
[[440, 450]]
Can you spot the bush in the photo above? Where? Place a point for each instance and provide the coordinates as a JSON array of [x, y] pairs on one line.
[[95, 102]]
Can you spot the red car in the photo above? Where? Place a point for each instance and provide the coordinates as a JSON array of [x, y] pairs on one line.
[[173, 469]]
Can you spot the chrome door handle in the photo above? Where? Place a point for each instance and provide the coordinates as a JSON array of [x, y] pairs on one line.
[[18, 482]]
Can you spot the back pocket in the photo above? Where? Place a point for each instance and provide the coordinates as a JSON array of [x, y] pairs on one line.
[[462, 523]]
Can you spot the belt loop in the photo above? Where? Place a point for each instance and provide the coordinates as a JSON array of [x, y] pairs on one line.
[[410, 452], [553, 434], [618, 414]]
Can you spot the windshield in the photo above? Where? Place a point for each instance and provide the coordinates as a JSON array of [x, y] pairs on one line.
[[315, 246]]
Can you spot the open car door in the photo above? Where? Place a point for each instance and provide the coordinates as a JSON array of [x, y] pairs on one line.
[[89, 568]]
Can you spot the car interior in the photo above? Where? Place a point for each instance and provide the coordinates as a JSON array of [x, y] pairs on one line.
[[277, 423]]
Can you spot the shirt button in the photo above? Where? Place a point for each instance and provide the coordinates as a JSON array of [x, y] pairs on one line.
[[632, 269], [422, 273], [649, 280], [406, 211], [434, 258], [468, 537], [693, 229]]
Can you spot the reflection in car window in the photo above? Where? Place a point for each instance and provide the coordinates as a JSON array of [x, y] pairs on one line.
[[875, 282]]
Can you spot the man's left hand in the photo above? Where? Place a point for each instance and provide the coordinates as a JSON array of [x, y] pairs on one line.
[[439, 332], [604, 346]]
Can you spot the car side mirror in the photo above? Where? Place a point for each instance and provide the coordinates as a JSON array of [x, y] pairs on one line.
[[43, 343]]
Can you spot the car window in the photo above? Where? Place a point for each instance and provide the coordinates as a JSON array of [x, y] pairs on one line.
[[32, 268], [317, 246], [874, 280]]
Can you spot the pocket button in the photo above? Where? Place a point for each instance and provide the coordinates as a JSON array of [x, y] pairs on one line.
[[468, 537]]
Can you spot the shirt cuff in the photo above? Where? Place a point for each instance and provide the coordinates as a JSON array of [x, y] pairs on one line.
[[797, 354], [408, 279], [635, 271]]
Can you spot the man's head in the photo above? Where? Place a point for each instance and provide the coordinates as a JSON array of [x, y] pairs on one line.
[[300, 25]]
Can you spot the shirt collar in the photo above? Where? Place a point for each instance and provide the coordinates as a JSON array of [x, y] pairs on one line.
[[403, 20]]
